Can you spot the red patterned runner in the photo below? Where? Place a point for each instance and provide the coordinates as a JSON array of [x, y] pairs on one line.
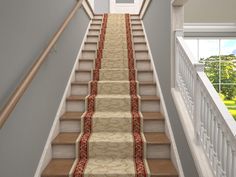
[[87, 129], [138, 142]]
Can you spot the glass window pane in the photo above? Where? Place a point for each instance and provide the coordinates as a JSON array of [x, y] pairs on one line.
[[193, 46], [228, 47], [228, 92], [212, 69], [228, 71], [209, 49]]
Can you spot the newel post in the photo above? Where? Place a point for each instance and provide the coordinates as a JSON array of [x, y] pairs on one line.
[[197, 101], [178, 33]]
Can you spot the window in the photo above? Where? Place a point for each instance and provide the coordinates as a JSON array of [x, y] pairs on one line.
[[219, 57]]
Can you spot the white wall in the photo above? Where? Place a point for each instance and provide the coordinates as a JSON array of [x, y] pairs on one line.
[[210, 11]]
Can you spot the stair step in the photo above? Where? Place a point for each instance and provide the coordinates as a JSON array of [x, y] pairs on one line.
[[76, 98], [58, 168], [67, 116], [150, 98], [161, 168], [63, 146], [62, 167], [153, 122], [65, 139], [153, 116], [156, 138]]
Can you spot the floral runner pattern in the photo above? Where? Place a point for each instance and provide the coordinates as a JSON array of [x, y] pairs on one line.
[[112, 143]]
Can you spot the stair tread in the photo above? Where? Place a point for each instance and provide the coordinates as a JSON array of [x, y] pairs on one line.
[[86, 82], [147, 83], [156, 138], [150, 98], [72, 116], [152, 116], [161, 168], [80, 83], [76, 98], [65, 138], [58, 168]]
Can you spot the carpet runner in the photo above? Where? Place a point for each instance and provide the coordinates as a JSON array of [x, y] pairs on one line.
[[112, 143]]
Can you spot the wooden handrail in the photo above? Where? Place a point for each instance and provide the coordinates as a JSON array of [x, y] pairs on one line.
[[21, 88]]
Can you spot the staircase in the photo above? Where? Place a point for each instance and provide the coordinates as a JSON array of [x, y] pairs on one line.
[[112, 125]]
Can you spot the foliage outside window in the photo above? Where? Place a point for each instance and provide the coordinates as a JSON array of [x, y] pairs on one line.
[[219, 57]]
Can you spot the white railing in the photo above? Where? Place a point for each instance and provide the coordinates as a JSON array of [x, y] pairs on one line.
[[214, 127]]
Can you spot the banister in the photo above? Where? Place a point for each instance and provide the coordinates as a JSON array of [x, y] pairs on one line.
[[214, 127], [21, 88]]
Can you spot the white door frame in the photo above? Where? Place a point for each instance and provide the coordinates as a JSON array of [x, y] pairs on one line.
[[132, 8]]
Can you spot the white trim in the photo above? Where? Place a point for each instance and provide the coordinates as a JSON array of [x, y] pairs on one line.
[[168, 129], [132, 8], [145, 8], [87, 9], [200, 160], [209, 27], [47, 152], [91, 3]]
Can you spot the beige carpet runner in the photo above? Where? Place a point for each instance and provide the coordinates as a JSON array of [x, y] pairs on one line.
[[112, 143]]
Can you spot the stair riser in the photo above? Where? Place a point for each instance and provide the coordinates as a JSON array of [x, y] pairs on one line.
[[158, 151], [94, 32], [141, 55], [75, 106], [147, 90], [145, 76], [137, 32], [83, 76], [86, 64], [148, 126], [112, 124], [70, 126], [90, 46], [143, 65], [83, 90], [136, 27], [140, 47], [95, 26], [92, 39], [142, 76], [150, 106], [110, 150], [146, 106], [138, 39], [154, 126], [63, 151], [88, 54]]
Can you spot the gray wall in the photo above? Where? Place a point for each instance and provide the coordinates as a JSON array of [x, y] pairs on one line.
[[210, 11], [159, 39], [101, 6], [26, 27]]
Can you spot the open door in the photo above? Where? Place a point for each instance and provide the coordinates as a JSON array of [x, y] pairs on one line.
[[125, 6]]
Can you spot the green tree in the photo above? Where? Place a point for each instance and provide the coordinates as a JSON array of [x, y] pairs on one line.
[[222, 69]]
